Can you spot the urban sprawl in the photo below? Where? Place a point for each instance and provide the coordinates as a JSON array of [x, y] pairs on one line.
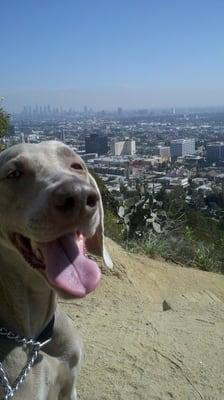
[[157, 149]]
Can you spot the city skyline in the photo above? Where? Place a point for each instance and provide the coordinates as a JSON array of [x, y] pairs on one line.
[[47, 110], [129, 54]]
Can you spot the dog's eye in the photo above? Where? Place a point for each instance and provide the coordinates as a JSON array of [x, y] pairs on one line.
[[14, 174], [76, 166]]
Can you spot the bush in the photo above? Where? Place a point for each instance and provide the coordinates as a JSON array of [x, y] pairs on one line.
[[204, 258], [152, 246], [112, 228]]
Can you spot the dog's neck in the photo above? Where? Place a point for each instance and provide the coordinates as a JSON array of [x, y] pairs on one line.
[[27, 303]]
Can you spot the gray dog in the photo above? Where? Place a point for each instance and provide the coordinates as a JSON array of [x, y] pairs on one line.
[[50, 212]]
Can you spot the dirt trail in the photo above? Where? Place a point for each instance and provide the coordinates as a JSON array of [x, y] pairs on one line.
[[152, 331]]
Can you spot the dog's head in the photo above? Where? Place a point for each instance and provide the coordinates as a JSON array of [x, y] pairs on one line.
[[50, 212]]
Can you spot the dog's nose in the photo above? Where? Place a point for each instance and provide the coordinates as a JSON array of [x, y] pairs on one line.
[[75, 197]]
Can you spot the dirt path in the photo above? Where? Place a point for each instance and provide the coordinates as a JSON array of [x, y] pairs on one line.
[[152, 331]]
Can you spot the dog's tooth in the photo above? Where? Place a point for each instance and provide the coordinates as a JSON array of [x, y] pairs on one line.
[[33, 245], [39, 255], [36, 250]]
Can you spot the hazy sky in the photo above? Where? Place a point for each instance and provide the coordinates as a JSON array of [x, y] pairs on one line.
[[110, 53]]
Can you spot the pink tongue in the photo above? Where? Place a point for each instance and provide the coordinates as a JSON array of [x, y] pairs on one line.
[[67, 268]]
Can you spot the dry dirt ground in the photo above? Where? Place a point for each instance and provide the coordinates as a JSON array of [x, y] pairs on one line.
[[152, 331]]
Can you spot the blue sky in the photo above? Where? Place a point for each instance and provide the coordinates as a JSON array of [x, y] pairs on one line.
[[105, 54]]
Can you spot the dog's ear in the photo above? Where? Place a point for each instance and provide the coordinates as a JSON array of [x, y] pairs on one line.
[[95, 244]]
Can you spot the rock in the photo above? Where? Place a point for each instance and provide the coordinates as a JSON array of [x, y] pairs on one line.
[[166, 306]]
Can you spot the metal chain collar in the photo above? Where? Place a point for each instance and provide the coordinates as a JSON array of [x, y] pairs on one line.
[[10, 389]]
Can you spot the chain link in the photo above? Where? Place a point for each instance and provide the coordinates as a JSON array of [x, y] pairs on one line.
[[10, 390]]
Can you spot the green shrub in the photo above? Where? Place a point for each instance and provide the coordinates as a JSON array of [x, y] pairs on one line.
[[204, 258], [112, 228], [152, 245]]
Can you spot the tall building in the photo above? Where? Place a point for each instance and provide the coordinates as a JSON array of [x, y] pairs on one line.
[[120, 112], [215, 151], [85, 110], [96, 144], [25, 110], [182, 147], [36, 110], [123, 148], [62, 136], [164, 152], [117, 148], [130, 147], [22, 137]]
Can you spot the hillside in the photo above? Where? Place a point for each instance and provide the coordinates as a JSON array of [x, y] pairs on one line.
[[152, 331]]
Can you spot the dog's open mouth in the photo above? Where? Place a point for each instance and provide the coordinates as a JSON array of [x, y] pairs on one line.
[[62, 261]]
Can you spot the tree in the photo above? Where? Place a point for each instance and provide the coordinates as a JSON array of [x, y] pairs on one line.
[[4, 122]]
